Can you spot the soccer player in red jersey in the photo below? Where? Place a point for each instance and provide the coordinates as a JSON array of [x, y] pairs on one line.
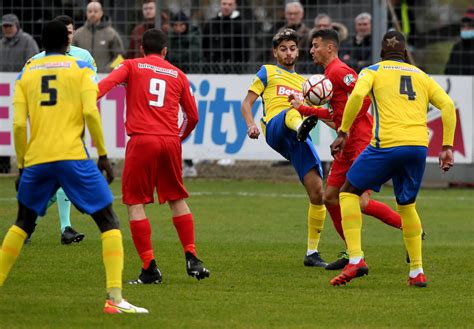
[[155, 91], [325, 45]]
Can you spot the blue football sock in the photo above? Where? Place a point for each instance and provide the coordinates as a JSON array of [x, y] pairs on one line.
[[64, 208]]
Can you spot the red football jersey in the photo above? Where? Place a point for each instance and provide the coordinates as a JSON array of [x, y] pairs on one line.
[[343, 79], [155, 90]]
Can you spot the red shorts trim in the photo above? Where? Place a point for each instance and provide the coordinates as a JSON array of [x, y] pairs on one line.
[[152, 162]]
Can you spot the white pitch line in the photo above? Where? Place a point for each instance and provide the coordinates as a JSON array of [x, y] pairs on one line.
[[288, 196]]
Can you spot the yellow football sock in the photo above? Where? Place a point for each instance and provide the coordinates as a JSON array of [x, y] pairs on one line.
[[293, 119], [351, 223], [411, 227], [316, 217], [112, 253], [11, 247]]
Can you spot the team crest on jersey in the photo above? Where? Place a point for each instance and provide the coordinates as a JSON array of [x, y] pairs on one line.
[[286, 91], [349, 79]]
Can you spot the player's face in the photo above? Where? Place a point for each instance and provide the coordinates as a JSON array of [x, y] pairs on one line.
[[286, 53], [70, 32], [319, 51], [148, 10]]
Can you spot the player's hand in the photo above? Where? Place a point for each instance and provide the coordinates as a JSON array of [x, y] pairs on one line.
[[18, 178], [446, 158], [338, 143], [294, 102], [104, 165], [252, 131]]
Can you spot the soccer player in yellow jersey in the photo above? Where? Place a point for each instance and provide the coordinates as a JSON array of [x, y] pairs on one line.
[[56, 94], [400, 95], [287, 133]]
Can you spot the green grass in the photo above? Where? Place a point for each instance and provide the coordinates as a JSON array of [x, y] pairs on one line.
[[252, 236]]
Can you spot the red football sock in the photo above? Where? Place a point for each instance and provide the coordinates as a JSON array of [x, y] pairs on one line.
[[335, 212], [184, 225], [383, 212], [141, 235]]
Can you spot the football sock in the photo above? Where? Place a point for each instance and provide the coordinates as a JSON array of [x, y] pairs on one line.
[[64, 209], [293, 119], [415, 272], [112, 254], [411, 227], [11, 247], [383, 212], [355, 260], [335, 212], [184, 225], [141, 235], [316, 217], [351, 223]]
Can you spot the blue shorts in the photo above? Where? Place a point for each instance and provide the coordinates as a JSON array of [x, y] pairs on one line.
[[302, 155], [80, 179], [405, 165]]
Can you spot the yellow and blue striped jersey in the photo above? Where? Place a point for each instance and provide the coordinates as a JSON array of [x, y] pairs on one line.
[[48, 92], [400, 95], [274, 83]]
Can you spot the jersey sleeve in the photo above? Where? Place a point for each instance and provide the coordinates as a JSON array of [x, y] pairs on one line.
[[91, 61], [440, 99], [188, 106], [356, 99], [346, 79], [259, 83], [89, 78], [117, 76]]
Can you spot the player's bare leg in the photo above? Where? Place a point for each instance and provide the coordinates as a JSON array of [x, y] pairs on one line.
[[316, 216], [141, 235], [184, 223]]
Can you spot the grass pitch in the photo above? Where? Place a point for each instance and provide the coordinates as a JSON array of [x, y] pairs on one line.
[[252, 236]]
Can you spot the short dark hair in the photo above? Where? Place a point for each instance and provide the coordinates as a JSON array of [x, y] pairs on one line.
[[327, 35], [55, 36], [284, 35], [65, 19], [154, 40]]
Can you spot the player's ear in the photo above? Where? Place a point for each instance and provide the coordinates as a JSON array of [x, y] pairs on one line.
[[164, 51]]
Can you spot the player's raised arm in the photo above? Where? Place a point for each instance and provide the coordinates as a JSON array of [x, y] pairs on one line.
[[439, 98], [190, 113], [117, 76], [320, 112], [246, 109]]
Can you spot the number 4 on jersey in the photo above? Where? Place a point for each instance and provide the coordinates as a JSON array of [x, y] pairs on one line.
[[406, 87]]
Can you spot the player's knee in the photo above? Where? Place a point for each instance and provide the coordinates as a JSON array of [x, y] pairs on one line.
[[106, 219], [316, 197], [26, 219]]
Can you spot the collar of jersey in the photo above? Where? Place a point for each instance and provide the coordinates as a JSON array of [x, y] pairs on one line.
[[53, 54], [284, 68]]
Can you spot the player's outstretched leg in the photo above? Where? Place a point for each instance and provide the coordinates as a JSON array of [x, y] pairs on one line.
[[112, 254], [305, 128], [68, 234]]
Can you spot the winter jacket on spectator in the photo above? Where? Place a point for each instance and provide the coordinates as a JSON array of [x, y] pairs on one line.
[[14, 52], [102, 41]]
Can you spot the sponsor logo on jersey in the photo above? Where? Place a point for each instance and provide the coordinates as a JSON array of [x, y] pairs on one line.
[[158, 69], [349, 79], [53, 65], [286, 91]]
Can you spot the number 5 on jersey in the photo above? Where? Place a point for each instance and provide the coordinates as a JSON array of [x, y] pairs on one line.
[[157, 88]]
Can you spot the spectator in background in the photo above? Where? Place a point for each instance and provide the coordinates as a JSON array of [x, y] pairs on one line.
[[461, 60], [149, 14], [321, 22], [99, 37], [358, 54], [16, 46], [185, 43], [225, 40], [294, 15]]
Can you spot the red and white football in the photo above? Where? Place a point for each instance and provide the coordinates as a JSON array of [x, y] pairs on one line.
[[317, 90]]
